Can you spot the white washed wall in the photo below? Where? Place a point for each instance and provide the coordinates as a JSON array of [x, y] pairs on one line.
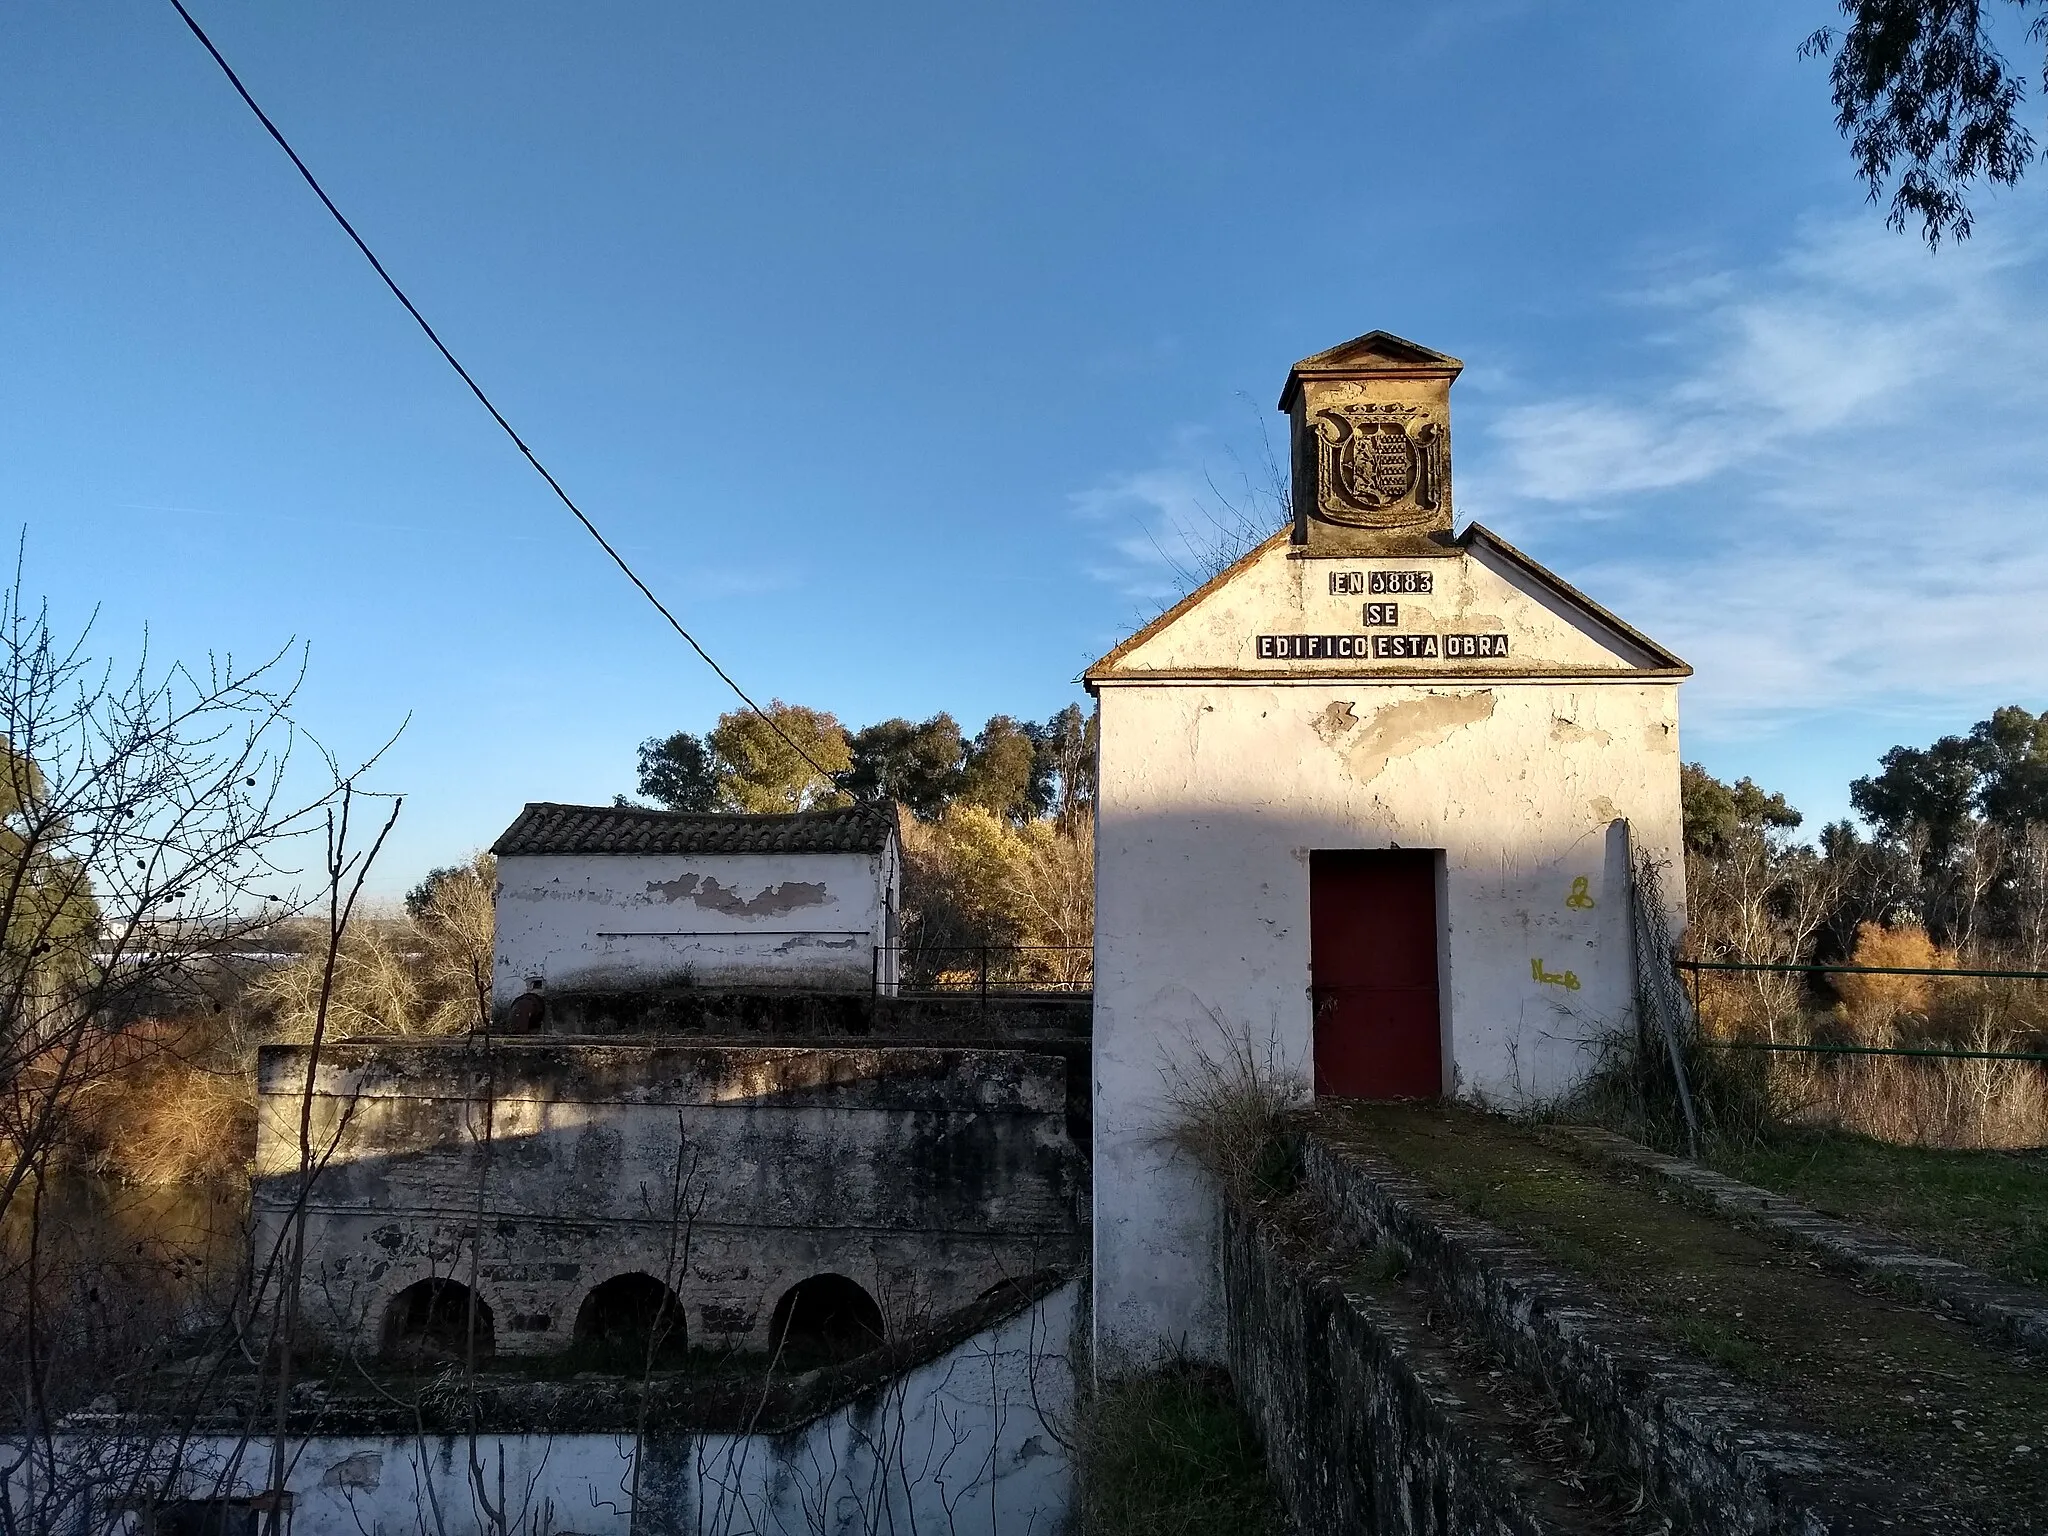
[[1214, 793], [967, 1442], [639, 920]]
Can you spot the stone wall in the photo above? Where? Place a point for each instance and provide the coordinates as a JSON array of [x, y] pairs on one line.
[[545, 1167], [1365, 1426], [1414, 1370]]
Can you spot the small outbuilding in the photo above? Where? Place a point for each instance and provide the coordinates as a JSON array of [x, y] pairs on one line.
[[1366, 810], [621, 899]]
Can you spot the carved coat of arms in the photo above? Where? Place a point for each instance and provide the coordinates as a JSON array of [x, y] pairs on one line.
[[1380, 466]]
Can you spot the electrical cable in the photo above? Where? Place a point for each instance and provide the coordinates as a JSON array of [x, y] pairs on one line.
[[483, 399]]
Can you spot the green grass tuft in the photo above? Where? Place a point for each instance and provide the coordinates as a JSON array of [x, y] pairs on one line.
[[1170, 1453]]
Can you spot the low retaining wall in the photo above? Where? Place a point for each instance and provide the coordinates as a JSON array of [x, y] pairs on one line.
[[802, 1014], [1375, 1424], [1364, 1423]]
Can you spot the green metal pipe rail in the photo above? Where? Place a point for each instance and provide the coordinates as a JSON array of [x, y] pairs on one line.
[[1958, 1053]]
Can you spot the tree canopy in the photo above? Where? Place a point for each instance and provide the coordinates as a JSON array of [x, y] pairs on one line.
[[1929, 103], [1014, 769], [1999, 772], [1716, 814], [918, 765]]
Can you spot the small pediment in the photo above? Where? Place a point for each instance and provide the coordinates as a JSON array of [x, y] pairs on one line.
[[1375, 354], [1487, 611]]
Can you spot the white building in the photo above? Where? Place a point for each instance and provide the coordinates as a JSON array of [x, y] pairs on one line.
[[1364, 811], [603, 898]]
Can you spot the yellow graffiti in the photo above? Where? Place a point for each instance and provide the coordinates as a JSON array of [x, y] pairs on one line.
[[1569, 980], [1580, 898]]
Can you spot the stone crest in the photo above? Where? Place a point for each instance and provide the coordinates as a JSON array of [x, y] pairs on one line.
[[1379, 465], [1370, 423]]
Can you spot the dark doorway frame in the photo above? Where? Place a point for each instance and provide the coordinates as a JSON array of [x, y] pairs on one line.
[[1378, 952]]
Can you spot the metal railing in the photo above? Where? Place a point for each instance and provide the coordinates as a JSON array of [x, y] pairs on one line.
[[1961, 1053], [984, 970]]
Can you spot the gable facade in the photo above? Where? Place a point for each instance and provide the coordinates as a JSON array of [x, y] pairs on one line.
[[1436, 704]]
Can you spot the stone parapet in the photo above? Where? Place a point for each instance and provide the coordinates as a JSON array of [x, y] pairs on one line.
[[1709, 1454]]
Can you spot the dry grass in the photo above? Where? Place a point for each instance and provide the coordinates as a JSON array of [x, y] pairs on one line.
[[1228, 1099], [1916, 1101]]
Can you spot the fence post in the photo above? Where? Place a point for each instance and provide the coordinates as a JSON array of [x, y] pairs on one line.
[[984, 983], [1655, 982]]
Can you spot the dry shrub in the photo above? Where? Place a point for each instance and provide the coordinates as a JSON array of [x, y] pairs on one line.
[[170, 1101], [1919, 1101], [973, 878], [1228, 1104], [1877, 1010], [185, 1124], [375, 990], [425, 973]]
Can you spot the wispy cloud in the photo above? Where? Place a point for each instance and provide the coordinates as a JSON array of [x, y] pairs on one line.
[[1161, 528], [1828, 484]]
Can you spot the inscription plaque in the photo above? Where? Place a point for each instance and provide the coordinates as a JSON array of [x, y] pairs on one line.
[[1380, 647]]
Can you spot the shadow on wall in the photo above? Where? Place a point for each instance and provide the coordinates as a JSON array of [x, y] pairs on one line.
[[1204, 915]]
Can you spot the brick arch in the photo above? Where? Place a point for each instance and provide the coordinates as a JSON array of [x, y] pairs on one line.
[[824, 1318], [633, 1316], [432, 1319]]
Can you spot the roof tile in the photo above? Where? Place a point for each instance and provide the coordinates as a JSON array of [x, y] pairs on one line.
[[545, 828]]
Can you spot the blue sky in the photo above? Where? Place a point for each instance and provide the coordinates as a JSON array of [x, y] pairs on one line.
[[894, 342]]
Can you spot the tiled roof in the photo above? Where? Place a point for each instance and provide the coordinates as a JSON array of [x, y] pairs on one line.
[[543, 828]]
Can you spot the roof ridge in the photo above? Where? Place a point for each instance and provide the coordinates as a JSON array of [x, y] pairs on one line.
[[557, 827]]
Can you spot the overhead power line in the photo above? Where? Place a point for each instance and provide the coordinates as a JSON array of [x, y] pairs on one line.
[[476, 389]]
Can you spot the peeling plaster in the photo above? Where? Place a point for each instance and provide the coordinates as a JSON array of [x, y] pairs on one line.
[[365, 1469], [1570, 733], [667, 890], [774, 900], [1399, 729], [1334, 721], [653, 921]]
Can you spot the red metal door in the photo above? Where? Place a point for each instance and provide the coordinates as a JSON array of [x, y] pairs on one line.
[[1372, 957]]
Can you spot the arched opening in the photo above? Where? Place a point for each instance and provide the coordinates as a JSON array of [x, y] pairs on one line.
[[823, 1319], [629, 1321], [433, 1320]]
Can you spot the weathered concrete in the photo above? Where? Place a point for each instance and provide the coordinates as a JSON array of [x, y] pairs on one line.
[[542, 1168], [1714, 1456], [770, 1013], [2009, 1313], [619, 921]]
